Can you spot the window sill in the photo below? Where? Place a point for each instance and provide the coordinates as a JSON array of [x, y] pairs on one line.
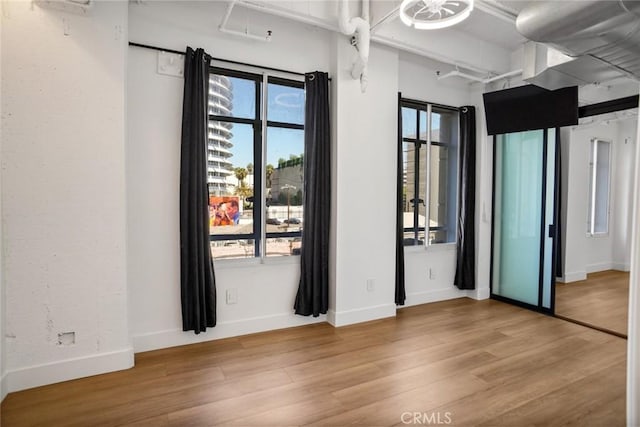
[[598, 235], [245, 262], [438, 247]]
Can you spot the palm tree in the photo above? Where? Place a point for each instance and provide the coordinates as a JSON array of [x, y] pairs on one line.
[[241, 174], [269, 171], [242, 190]]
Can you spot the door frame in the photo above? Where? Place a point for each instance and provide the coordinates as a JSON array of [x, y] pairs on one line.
[[554, 247]]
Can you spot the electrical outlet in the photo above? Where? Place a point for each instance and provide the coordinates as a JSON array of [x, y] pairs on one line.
[[66, 338], [371, 285], [432, 274], [232, 296]]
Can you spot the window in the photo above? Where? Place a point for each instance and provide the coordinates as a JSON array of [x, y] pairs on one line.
[[255, 155], [599, 185], [430, 172]]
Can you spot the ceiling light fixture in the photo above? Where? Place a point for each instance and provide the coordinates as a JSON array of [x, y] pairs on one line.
[[434, 14]]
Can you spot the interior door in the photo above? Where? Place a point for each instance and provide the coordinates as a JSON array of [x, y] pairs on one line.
[[524, 211]]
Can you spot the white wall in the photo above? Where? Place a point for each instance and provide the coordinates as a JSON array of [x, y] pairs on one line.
[[3, 389], [365, 186], [633, 344], [623, 181], [484, 198], [63, 131], [585, 254], [266, 292]]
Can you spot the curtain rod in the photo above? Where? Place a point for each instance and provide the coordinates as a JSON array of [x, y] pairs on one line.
[[161, 49]]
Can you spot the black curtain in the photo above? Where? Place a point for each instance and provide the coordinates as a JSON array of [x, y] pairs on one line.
[[466, 252], [313, 290], [197, 280], [401, 295]]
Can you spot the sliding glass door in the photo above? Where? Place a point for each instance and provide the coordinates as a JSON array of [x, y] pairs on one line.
[[523, 218]]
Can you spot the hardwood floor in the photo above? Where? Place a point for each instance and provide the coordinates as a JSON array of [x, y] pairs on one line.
[[470, 362], [602, 300]]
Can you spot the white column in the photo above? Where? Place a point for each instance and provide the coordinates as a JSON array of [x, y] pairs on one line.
[[633, 350]]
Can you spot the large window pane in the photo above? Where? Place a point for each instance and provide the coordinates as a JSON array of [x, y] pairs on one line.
[[421, 202], [229, 249], [444, 126], [409, 122], [283, 246], [285, 104], [411, 240], [408, 187], [423, 126], [285, 170], [414, 215], [439, 186], [230, 177], [232, 96], [285, 182]]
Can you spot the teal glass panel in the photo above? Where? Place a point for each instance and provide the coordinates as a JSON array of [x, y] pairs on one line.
[[518, 210]]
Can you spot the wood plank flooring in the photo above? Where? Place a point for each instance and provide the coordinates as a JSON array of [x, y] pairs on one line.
[[602, 300], [481, 363]]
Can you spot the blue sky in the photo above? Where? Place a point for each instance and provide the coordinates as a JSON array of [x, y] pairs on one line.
[[285, 104], [409, 119]]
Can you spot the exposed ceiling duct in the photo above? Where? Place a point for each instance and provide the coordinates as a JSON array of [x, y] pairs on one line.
[[601, 41]]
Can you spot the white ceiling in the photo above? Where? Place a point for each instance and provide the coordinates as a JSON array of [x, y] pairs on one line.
[[480, 24], [492, 29]]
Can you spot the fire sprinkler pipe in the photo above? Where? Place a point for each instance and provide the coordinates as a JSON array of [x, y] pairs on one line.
[[457, 73], [244, 34], [503, 76], [360, 28]]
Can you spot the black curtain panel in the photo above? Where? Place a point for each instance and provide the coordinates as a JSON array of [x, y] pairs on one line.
[[401, 295], [313, 290], [466, 252], [197, 280]]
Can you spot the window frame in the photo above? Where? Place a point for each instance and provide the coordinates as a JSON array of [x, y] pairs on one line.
[[593, 179], [427, 143], [260, 126]]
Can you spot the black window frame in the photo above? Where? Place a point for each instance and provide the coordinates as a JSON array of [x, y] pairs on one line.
[[259, 202], [419, 144]]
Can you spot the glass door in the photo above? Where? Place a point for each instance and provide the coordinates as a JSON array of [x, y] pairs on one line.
[[523, 245]]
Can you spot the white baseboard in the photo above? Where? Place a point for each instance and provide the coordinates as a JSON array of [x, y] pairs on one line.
[[418, 298], [69, 369], [359, 315], [331, 317], [3, 386], [621, 266], [481, 293], [176, 337], [574, 276], [601, 266]]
